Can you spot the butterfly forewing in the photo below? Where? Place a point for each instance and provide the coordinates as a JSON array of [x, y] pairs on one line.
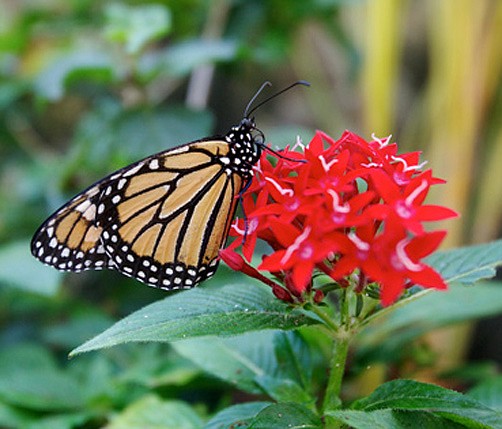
[[161, 220]]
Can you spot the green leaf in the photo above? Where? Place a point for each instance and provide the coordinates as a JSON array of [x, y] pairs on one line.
[[59, 421], [26, 355], [154, 413], [246, 361], [468, 264], [236, 416], [293, 357], [286, 415], [435, 309], [284, 390], [412, 395], [227, 310], [92, 65], [237, 360], [78, 329], [180, 59], [392, 419], [30, 378], [11, 417], [136, 26], [489, 393], [10, 91], [18, 268]]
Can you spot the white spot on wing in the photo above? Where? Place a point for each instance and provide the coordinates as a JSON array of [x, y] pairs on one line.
[[93, 191], [82, 207], [133, 170], [178, 150], [90, 213], [121, 183]]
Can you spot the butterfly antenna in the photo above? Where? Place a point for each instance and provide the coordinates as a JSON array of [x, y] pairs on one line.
[[262, 87], [248, 112]]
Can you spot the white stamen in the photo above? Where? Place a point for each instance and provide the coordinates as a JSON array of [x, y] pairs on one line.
[[410, 198], [345, 208], [296, 245], [237, 229], [406, 166], [299, 144], [381, 142], [327, 165], [360, 244], [371, 164], [287, 192], [404, 258]]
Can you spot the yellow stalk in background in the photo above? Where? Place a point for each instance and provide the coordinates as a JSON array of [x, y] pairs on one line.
[[454, 99], [465, 70], [488, 210], [462, 36], [381, 65]]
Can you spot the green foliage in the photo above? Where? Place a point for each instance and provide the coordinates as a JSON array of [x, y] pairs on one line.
[[278, 364], [430, 406], [153, 412], [135, 27], [223, 310], [19, 269], [488, 393], [468, 264], [286, 414], [240, 414], [251, 363], [432, 311]]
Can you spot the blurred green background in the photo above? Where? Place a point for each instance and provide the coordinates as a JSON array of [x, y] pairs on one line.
[[87, 86]]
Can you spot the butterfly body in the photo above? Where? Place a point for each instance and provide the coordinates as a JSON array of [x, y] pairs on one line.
[[160, 220]]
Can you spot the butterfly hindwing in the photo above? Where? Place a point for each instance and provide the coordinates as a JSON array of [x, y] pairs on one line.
[[70, 239]]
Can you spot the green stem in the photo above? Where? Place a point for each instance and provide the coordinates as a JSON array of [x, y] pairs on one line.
[[332, 397], [333, 327], [338, 360]]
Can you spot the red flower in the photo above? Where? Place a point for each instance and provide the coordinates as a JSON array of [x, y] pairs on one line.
[[350, 209]]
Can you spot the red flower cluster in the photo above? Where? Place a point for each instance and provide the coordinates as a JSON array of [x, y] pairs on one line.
[[348, 208]]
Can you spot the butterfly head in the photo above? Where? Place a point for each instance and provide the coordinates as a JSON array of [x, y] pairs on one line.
[[246, 142]]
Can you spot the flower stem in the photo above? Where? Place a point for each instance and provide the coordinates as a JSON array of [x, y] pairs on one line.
[[332, 400], [332, 326]]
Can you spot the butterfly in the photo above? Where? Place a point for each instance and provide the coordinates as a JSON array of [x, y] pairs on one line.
[[161, 220]]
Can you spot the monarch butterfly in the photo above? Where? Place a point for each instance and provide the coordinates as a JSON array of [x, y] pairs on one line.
[[163, 219]]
